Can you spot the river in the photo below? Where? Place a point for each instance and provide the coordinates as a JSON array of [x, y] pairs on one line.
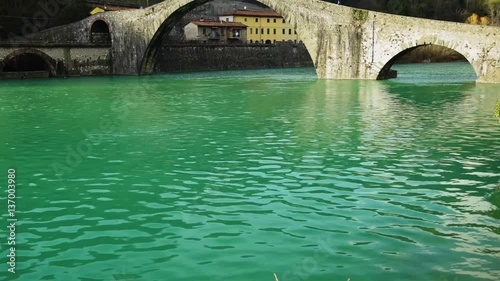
[[236, 175]]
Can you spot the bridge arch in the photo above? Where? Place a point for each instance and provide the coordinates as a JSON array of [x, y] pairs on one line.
[[384, 72], [176, 10], [99, 31], [29, 60]]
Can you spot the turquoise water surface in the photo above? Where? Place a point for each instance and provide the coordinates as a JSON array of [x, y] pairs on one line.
[[236, 175]]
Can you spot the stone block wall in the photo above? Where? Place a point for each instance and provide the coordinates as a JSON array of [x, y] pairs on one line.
[[189, 58]]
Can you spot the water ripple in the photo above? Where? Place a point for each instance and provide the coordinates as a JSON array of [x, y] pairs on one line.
[[206, 178]]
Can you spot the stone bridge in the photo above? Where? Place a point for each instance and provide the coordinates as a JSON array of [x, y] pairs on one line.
[[57, 59], [343, 42]]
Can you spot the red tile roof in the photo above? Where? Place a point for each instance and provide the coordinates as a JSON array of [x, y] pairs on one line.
[[252, 13], [218, 23]]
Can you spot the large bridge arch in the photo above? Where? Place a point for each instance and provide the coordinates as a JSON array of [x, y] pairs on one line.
[[134, 34], [182, 7], [36, 60], [383, 73]]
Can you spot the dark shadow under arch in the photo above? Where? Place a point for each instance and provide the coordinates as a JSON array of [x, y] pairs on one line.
[[147, 65], [387, 73], [29, 60], [99, 32], [149, 59]]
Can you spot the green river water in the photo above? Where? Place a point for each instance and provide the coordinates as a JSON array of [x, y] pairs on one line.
[[236, 175]]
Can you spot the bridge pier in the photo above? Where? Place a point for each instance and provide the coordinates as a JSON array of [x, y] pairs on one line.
[[489, 72]]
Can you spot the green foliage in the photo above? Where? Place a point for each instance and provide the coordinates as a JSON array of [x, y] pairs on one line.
[[74, 11], [450, 10], [360, 15], [493, 7], [24, 17]]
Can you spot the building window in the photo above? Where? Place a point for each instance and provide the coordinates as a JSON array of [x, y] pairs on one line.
[[268, 31], [204, 31], [268, 20], [227, 19], [284, 21], [274, 20], [256, 31], [236, 33], [251, 41], [262, 31], [295, 32], [284, 32], [245, 19], [290, 32], [274, 31], [251, 31], [256, 19], [274, 41]]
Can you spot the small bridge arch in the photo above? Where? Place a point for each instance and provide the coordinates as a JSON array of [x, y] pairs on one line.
[[399, 35], [99, 31], [28, 59], [384, 72]]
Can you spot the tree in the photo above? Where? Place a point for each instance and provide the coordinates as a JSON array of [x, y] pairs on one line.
[[475, 19], [493, 7]]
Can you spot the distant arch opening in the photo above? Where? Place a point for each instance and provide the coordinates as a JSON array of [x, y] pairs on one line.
[[99, 32], [195, 23], [28, 64], [424, 54]]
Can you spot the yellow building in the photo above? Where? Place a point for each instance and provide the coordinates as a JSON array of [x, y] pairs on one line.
[[262, 26]]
